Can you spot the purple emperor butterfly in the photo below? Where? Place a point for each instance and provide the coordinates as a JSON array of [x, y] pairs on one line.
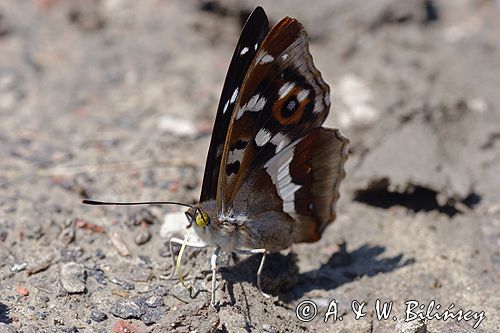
[[272, 173]]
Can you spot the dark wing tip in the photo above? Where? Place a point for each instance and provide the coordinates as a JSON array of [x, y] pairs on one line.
[[257, 15]]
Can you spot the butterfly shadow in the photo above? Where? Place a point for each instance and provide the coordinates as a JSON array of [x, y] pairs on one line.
[[4, 314], [344, 267], [281, 275]]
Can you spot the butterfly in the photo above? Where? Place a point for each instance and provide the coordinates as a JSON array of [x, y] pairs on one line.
[[272, 173]]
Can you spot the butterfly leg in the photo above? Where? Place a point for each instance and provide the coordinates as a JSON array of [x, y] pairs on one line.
[[213, 267], [181, 242], [261, 266]]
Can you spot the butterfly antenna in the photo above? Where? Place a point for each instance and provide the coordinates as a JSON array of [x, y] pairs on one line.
[[102, 203]]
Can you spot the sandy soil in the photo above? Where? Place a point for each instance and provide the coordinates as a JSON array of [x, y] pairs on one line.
[[89, 91]]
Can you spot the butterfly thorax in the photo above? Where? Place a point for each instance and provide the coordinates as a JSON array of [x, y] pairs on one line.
[[227, 231]]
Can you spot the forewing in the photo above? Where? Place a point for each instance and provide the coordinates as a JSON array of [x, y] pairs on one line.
[[283, 97], [255, 30]]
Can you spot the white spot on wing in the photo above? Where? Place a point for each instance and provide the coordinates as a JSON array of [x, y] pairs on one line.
[[245, 50], [235, 94], [266, 58], [302, 95], [284, 56], [262, 137], [235, 155], [280, 141], [255, 104], [225, 107], [285, 89], [256, 46], [279, 170]]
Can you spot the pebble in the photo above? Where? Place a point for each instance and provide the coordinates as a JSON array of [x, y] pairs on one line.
[[43, 298], [98, 316], [67, 235], [152, 315], [73, 277], [99, 254], [174, 223], [144, 216], [119, 244], [42, 315], [127, 309], [98, 275], [124, 284], [154, 301], [19, 267], [269, 328], [142, 237], [3, 235], [181, 293], [70, 330], [177, 126], [40, 265], [161, 291]]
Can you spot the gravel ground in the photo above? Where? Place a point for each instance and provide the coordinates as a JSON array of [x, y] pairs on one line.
[[115, 99]]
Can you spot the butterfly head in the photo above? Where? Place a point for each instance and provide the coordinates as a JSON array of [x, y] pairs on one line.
[[198, 217]]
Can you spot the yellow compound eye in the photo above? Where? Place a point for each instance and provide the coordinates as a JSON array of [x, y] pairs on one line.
[[202, 219]]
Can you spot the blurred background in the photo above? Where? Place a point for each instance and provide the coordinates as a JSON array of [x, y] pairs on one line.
[[115, 100]]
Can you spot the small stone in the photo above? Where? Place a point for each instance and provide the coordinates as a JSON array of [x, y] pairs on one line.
[[98, 316], [123, 326], [127, 309], [40, 265], [152, 315], [269, 328], [23, 291], [180, 292], [124, 284], [44, 298], [58, 321], [41, 315], [98, 275], [174, 224], [177, 126], [119, 244], [154, 301], [3, 235], [73, 277], [67, 235], [144, 216], [99, 253], [19, 267], [161, 291], [142, 237]]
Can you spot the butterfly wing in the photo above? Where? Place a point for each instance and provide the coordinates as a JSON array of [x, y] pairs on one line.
[[302, 180], [255, 30], [282, 98]]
